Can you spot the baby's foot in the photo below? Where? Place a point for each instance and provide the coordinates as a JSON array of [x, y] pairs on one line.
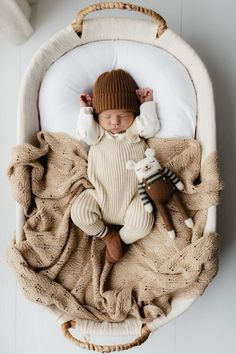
[[114, 251]]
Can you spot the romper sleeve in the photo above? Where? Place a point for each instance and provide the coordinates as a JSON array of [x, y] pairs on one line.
[[147, 123], [88, 129]]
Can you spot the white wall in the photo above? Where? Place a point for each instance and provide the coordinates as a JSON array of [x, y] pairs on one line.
[[209, 326]]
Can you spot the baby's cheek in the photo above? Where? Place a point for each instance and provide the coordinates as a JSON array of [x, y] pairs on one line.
[[127, 122]]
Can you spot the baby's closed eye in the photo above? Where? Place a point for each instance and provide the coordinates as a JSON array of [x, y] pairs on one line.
[[123, 115]]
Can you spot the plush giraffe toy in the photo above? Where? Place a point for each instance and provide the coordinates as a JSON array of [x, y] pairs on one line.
[[160, 185]]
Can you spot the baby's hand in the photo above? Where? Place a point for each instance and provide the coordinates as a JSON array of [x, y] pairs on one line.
[[85, 100], [144, 95]]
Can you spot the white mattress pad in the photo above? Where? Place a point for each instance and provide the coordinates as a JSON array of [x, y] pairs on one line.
[[150, 66]]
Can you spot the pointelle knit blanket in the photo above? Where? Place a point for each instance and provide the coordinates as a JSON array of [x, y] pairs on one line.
[[56, 264]]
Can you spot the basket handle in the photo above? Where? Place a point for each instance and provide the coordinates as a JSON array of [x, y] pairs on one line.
[[77, 24], [103, 348]]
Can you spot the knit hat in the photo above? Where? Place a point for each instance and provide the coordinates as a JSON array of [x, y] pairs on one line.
[[115, 90]]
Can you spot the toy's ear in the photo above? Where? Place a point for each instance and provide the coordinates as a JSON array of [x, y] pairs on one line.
[[130, 165], [150, 153]]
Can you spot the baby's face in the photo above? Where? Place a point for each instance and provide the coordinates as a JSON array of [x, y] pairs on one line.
[[116, 120]]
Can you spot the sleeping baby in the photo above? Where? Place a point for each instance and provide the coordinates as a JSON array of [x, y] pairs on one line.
[[114, 122]]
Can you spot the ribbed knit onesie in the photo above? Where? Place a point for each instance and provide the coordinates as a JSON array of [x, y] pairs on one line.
[[115, 198]]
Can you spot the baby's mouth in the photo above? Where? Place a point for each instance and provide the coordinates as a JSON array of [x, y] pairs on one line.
[[117, 130]]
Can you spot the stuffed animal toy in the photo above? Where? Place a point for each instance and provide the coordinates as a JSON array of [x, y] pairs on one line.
[[159, 185]]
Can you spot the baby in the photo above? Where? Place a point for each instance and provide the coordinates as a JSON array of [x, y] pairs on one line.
[[114, 121]]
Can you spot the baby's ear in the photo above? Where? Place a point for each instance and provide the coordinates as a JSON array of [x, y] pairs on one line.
[[130, 165], [150, 153]]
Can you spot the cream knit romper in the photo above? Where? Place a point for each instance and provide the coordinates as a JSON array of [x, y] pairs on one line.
[[115, 198]]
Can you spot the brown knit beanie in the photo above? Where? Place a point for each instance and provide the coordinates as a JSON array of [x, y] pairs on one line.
[[115, 90]]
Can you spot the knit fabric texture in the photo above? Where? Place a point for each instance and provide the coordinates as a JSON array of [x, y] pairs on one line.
[[115, 199], [58, 265], [115, 90]]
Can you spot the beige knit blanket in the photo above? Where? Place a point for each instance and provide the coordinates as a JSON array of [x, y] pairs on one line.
[[58, 265]]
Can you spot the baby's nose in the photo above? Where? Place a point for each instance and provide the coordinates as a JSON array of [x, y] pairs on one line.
[[115, 121]]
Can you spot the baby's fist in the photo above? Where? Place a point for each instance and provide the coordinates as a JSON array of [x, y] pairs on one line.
[[85, 100], [144, 95]]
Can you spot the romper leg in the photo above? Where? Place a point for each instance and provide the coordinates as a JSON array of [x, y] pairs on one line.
[[138, 222], [86, 214]]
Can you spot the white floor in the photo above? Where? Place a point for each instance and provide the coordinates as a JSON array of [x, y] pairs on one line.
[[209, 326]]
